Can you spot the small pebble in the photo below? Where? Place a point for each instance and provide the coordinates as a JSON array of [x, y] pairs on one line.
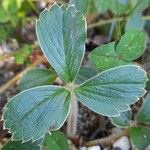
[[122, 144], [148, 147]]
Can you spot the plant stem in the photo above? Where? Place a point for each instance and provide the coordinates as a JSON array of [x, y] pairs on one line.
[[72, 121], [19, 75], [108, 140], [104, 22]]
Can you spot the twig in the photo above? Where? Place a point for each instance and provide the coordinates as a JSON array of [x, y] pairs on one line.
[[108, 140], [19, 75], [104, 22]]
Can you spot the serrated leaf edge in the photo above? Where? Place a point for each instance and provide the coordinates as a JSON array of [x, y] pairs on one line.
[[142, 107], [125, 104], [124, 127], [5, 109], [49, 9]]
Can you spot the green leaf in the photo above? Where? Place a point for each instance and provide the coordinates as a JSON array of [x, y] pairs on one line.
[[56, 141], [37, 77], [81, 5], [30, 114], [135, 21], [140, 137], [143, 115], [14, 18], [109, 93], [18, 145], [11, 6], [116, 6], [61, 34], [105, 57], [148, 83], [130, 47], [84, 74], [3, 34], [3, 15], [122, 121], [22, 55], [139, 5]]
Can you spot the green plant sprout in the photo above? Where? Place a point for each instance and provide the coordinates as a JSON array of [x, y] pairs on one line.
[[62, 33]]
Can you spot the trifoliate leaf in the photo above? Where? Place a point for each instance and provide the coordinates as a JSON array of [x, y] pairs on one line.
[[130, 47], [143, 115], [122, 121], [37, 77], [30, 114], [112, 91], [140, 137], [56, 141], [61, 34]]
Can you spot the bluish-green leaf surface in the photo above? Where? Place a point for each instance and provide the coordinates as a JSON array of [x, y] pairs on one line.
[[84, 74], [135, 21], [112, 91], [37, 77], [81, 5], [30, 114], [61, 33], [143, 115], [122, 121], [18, 145]]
